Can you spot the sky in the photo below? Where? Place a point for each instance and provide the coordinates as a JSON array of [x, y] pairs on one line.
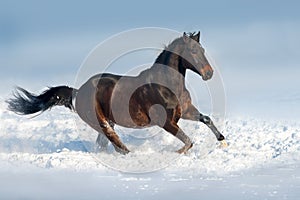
[[253, 43]]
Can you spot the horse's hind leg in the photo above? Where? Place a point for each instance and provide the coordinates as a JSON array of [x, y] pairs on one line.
[[112, 136], [102, 141], [115, 140], [174, 129], [110, 133]]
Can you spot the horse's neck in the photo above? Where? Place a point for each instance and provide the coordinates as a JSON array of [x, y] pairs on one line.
[[172, 60], [167, 70]]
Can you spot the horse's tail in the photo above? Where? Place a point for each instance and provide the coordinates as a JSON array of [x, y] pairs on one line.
[[24, 102]]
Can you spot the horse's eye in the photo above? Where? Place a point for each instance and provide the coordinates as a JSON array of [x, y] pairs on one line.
[[194, 50]]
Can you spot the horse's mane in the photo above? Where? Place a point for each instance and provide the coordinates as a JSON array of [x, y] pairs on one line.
[[176, 40], [168, 48]]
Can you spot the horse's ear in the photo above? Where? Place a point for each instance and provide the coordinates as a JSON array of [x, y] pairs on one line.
[[196, 37], [185, 37]]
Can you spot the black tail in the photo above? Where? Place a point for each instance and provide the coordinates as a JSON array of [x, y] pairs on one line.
[[25, 102]]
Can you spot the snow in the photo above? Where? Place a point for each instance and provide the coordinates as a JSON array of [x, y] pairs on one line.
[[52, 156]]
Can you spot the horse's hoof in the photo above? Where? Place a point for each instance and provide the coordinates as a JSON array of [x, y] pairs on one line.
[[184, 149], [223, 144], [122, 151]]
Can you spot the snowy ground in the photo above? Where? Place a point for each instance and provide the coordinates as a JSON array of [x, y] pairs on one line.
[[51, 157]]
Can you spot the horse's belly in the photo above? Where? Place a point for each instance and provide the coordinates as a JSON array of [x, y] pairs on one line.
[[129, 115]]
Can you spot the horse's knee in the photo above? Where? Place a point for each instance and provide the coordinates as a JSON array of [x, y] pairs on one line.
[[205, 119]]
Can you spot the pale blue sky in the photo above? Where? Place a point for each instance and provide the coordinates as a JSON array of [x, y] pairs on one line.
[[71, 29], [45, 42], [50, 17]]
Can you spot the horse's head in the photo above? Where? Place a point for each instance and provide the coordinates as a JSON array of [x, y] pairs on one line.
[[193, 56]]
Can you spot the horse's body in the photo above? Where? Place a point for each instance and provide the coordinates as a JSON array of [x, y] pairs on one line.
[[157, 96]]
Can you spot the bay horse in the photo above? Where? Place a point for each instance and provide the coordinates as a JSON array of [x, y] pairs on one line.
[[156, 97]]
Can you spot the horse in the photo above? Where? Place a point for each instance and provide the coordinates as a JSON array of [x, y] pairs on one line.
[[155, 97]]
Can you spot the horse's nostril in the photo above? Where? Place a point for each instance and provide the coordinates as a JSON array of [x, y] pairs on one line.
[[208, 74]]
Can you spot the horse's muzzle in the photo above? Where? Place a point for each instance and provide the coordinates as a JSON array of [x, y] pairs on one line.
[[206, 72]]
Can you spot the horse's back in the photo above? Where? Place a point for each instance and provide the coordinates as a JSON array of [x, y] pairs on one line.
[[127, 101]]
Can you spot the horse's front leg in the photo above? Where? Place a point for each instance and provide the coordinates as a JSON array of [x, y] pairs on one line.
[[173, 128], [191, 113]]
